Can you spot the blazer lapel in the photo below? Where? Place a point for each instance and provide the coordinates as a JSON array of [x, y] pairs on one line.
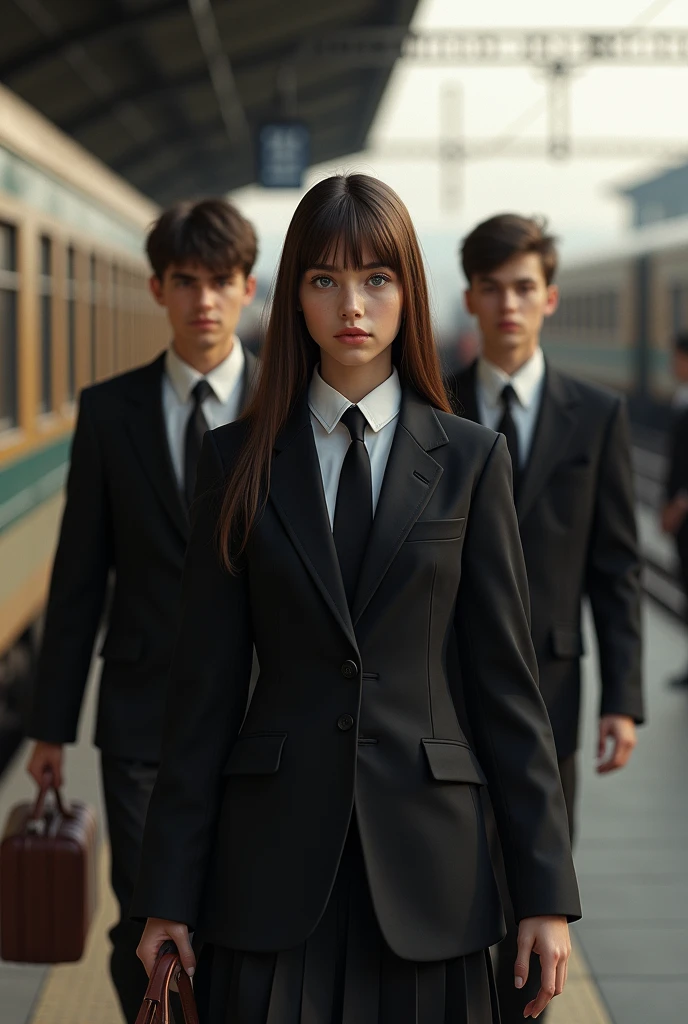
[[556, 422], [296, 491], [149, 439], [410, 478], [249, 382]]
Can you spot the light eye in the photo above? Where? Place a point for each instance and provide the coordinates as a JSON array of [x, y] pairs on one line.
[[377, 280], [322, 281]]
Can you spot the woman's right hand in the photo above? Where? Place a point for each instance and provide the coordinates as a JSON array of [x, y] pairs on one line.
[[158, 931]]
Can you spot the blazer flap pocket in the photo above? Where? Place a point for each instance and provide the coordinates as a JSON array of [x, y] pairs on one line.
[[122, 646], [437, 529], [567, 642], [257, 753], [451, 761]]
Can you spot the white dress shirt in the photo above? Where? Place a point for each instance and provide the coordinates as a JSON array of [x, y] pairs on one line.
[[527, 382], [381, 410], [223, 406]]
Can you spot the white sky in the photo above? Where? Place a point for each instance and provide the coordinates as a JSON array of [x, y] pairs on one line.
[[577, 196]]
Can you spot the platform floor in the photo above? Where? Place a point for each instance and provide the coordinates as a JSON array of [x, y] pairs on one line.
[[630, 961]]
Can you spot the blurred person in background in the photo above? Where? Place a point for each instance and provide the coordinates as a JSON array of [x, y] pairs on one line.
[[573, 489], [329, 847], [131, 480], [675, 510]]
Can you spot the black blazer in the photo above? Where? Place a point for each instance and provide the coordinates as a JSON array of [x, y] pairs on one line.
[[249, 815], [576, 518], [124, 516]]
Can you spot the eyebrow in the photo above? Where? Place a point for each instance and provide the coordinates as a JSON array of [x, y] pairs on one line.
[[180, 275], [375, 265], [487, 279]]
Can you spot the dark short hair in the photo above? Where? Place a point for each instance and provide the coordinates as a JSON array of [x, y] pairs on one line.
[[500, 238], [210, 232], [681, 342]]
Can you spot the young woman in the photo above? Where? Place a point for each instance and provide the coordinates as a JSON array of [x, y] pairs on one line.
[[328, 845]]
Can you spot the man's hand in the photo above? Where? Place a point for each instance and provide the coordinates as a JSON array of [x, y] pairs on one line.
[[158, 931], [616, 743], [674, 512], [548, 937], [46, 757]]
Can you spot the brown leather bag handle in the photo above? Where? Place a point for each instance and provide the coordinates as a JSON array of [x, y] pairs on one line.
[[36, 821], [156, 1002]]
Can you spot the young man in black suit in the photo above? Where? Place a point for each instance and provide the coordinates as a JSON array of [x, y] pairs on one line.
[[573, 490], [132, 476]]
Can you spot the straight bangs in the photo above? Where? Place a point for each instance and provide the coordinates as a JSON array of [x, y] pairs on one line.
[[341, 230]]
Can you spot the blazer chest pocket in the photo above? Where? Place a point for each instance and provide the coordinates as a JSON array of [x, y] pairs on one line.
[[436, 529], [451, 761], [257, 753]]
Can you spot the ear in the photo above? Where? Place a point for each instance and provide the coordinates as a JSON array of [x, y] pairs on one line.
[[552, 299], [250, 289], [468, 301], [155, 285]]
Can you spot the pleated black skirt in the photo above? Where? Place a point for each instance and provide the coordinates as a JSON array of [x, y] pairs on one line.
[[345, 973]]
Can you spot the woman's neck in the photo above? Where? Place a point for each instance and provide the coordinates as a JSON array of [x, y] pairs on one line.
[[355, 382]]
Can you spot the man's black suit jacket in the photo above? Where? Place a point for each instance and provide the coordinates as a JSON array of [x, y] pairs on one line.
[[576, 518], [354, 708], [124, 515], [677, 475]]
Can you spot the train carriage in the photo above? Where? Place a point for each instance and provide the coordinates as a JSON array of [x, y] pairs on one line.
[[74, 308]]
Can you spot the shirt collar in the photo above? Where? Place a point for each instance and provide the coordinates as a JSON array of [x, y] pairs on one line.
[[525, 382], [223, 379], [379, 407]]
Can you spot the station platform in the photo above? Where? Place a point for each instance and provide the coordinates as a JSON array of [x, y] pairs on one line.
[[630, 962]]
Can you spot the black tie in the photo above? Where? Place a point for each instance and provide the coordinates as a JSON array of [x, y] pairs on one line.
[[353, 514], [508, 428], [196, 427]]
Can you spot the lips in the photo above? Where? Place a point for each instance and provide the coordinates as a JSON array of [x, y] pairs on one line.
[[352, 332], [203, 323]]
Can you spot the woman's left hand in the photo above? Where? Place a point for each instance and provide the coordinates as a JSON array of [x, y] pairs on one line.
[[548, 937]]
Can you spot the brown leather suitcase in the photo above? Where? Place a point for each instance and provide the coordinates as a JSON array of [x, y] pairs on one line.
[[47, 880]]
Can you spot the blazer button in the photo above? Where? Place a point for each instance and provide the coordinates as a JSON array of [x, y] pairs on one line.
[[349, 669], [345, 722]]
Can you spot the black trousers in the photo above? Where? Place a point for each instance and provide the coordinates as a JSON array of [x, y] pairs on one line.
[[127, 787], [513, 1001]]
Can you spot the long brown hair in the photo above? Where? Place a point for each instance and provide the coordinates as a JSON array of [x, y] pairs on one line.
[[340, 216]]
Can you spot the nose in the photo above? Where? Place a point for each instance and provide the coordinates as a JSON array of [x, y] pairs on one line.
[[509, 300], [205, 298], [351, 304]]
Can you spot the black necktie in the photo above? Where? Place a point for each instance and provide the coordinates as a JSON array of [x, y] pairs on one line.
[[508, 428], [196, 427], [353, 514]]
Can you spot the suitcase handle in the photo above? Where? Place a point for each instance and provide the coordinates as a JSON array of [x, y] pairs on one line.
[[156, 1002], [36, 823]]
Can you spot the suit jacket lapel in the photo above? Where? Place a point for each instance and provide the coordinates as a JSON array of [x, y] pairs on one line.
[[296, 491], [249, 381], [556, 422], [149, 438], [410, 478], [467, 393]]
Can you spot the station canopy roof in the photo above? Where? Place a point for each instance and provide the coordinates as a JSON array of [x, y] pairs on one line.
[[169, 93]]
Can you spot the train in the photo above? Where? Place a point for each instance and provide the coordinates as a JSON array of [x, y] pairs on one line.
[[74, 308], [620, 309]]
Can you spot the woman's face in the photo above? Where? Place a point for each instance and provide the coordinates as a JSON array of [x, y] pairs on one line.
[[352, 315]]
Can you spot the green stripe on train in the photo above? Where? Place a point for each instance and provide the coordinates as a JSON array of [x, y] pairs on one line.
[[31, 480]]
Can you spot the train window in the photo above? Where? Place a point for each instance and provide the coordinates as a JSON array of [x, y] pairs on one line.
[[93, 313], [9, 287], [71, 323], [45, 310]]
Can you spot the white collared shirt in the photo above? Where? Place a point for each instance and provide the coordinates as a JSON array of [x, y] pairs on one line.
[[527, 382], [223, 406], [381, 410]]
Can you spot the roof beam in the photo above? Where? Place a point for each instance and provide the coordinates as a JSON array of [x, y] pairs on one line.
[[112, 24], [220, 71]]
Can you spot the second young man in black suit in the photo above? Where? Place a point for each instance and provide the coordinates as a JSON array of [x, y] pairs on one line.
[[132, 476], [573, 490]]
